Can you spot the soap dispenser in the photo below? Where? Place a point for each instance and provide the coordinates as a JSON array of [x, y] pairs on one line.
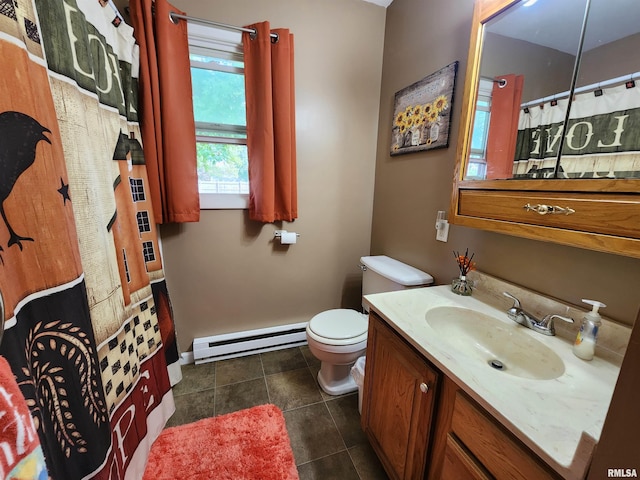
[[585, 344]]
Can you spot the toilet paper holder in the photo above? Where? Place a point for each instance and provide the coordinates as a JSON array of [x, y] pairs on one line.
[[278, 233]]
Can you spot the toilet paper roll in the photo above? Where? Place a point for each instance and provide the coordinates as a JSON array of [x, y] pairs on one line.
[[288, 238]]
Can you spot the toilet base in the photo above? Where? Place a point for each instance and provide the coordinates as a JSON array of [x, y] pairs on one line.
[[336, 379]]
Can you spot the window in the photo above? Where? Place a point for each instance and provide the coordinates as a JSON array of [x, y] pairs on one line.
[[477, 165], [219, 107]]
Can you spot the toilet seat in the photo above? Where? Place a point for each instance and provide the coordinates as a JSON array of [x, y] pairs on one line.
[[339, 326]]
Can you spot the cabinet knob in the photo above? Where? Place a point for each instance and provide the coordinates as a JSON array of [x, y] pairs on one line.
[[424, 388]]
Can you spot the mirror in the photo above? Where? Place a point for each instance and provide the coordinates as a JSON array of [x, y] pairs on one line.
[[562, 164], [529, 54], [601, 139]]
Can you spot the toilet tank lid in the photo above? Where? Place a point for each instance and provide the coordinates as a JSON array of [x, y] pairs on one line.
[[396, 271]]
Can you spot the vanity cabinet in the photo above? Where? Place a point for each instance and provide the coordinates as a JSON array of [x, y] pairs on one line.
[[436, 432], [400, 388], [573, 178], [490, 447]]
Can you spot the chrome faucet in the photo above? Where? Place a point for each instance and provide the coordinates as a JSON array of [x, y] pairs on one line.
[[544, 326]]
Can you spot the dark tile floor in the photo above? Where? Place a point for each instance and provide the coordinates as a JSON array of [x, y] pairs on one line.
[[325, 432]]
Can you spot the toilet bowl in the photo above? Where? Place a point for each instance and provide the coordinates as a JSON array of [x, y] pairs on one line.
[[338, 337]]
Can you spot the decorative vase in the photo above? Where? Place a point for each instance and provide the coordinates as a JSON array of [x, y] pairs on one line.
[[415, 136], [434, 133], [462, 286], [425, 134]]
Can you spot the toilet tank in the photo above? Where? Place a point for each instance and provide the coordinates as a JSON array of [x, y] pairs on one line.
[[384, 274]]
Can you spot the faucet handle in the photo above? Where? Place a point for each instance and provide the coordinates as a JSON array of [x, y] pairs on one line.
[[515, 313], [548, 319], [516, 302], [547, 322]]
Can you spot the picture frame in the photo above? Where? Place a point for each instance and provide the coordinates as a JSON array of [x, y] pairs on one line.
[[422, 113]]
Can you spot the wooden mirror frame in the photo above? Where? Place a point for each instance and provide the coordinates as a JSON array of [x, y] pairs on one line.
[[608, 210]]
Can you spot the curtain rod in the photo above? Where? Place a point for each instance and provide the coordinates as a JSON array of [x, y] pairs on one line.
[[173, 16], [618, 80]]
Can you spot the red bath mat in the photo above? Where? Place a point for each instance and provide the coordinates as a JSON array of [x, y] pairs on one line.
[[250, 444]]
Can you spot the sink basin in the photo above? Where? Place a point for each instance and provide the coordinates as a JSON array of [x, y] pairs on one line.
[[501, 346]]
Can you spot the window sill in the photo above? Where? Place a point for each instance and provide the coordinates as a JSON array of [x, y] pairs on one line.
[[224, 201]]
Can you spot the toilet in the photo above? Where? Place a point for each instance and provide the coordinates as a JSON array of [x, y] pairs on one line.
[[338, 337]]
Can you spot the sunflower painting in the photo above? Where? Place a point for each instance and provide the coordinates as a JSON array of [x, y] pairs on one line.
[[422, 113]]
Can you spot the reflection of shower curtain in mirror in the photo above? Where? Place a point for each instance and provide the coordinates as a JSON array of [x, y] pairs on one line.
[[89, 330], [601, 139]]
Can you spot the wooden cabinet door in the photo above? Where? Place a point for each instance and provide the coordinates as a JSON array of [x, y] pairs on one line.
[[500, 453], [399, 393], [458, 464]]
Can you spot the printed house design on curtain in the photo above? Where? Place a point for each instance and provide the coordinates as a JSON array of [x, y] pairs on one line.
[[136, 236]]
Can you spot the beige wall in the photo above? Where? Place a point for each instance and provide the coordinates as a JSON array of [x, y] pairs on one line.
[[422, 37], [612, 60], [224, 274], [546, 71]]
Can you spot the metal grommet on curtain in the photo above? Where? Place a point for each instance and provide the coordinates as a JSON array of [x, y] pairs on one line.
[[502, 83], [175, 21], [275, 38], [253, 34]]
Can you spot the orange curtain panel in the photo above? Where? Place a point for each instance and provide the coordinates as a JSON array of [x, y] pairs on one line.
[[503, 125], [166, 111], [271, 137]]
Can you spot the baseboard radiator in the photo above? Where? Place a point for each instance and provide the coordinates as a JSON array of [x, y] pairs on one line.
[[250, 342]]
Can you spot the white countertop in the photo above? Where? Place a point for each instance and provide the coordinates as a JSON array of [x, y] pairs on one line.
[[560, 419]]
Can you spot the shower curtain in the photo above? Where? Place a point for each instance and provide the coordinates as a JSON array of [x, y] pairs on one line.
[[88, 323], [599, 141]]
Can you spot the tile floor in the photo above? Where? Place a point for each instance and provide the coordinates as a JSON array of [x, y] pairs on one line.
[[325, 432]]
